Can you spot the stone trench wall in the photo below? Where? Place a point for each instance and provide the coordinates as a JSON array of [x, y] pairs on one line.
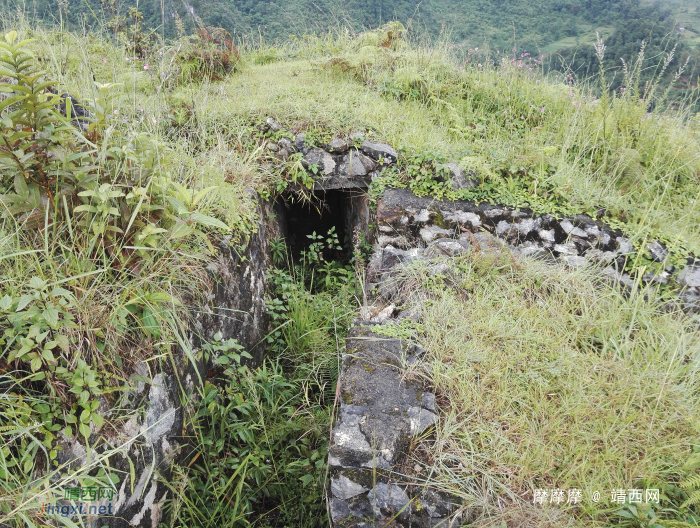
[[372, 481], [154, 437]]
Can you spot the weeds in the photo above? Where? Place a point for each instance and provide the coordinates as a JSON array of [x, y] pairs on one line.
[[548, 381], [259, 457]]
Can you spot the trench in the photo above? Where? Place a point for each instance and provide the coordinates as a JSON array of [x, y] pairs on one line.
[[316, 304], [343, 211], [346, 211]]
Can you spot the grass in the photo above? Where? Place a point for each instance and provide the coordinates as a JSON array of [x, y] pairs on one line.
[[418, 99], [545, 381]]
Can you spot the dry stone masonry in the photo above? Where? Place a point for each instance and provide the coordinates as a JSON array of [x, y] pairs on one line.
[[379, 414], [372, 483]]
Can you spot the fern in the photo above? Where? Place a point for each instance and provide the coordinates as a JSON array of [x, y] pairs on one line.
[[692, 483]]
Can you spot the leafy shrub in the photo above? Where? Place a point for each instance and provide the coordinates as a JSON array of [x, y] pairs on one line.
[[94, 221], [129, 29], [57, 172], [209, 55]]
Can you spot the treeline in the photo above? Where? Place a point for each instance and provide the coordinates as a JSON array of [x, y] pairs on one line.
[[523, 25], [665, 56], [499, 23]]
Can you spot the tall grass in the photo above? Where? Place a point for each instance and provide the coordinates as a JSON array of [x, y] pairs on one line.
[[546, 380]]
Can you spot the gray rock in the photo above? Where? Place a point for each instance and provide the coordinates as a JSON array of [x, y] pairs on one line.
[[440, 268], [657, 278], [339, 510], [614, 276], [690, 299], [547, 235], [350, 447], [415, 350], [414, 313], [658, 251], [690, 276], [459, 178], [533, 250], [566, 249], [430, 233], [379, 151], [273, 147], [438, 508], [461, 217], [423, 216], [344, 488], [286, 144], [355, 164], [604, 239], [390, 498], [392, 256], [319, 157], [592, 230], [574, 261], [352, 414], [483, 241], [503, 228], [396, 241], [274, 125], [338, 146], [421, 419], [600, 257], [624, 246], [300, 143], [527, 225], [494, 212], [388, 289], [447, 247], [427, 401], [570, 229]]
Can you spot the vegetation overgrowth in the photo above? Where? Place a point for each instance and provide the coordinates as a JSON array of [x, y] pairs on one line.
[[108, 220], [547, 382]]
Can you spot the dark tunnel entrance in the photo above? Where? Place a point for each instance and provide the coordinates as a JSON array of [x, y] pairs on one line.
[[346, 211]]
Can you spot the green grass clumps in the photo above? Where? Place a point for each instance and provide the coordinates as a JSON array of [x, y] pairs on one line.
[[108, 225], [547, 381]]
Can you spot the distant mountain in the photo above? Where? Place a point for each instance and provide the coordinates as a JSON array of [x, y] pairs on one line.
[[564, 29], [530, 23]]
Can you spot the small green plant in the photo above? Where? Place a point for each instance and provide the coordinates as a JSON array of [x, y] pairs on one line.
[[691, 484], [278, 249], [257, 460]]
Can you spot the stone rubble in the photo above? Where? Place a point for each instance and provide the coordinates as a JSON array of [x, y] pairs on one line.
[[576, 241]]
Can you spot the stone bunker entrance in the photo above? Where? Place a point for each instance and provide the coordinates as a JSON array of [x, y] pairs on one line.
[[346, 210]]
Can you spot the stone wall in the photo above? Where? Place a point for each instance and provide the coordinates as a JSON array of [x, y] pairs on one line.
[[379, 414], [405, 221], [373, 482], [155, 437]]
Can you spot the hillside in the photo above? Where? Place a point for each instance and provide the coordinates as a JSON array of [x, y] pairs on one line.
[[530, 26], [558, 35], [192, 234]]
